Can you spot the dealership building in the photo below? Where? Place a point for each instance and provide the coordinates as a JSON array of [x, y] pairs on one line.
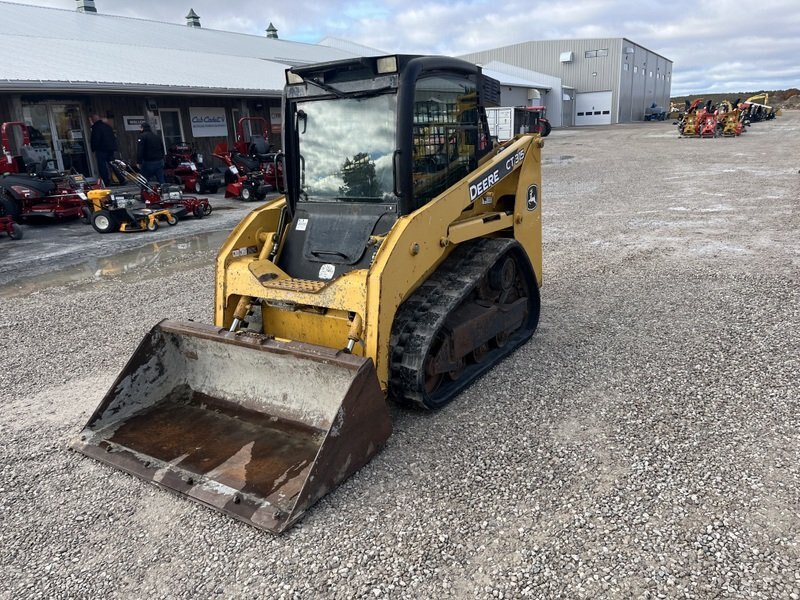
[[194, 84]]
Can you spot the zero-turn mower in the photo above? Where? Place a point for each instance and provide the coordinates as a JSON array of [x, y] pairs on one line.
[[31, 183], [108, 212], [183, 166]]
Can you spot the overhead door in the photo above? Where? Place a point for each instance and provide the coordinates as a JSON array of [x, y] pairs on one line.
[[593, 108]]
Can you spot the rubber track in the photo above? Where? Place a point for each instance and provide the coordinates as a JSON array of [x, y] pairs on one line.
[[423, 314]]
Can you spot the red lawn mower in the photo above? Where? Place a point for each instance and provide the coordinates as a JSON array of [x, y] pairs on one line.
[[253, 152], [32, 185], [239, 181], [168, 196], [184, 166]]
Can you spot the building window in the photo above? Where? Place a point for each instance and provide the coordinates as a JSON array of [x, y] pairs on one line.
[[171, 126], [590, 54], [603, 52], [625, 66], [635, 69], [651, 74]]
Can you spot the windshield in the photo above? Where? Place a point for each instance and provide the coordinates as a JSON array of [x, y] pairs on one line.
[[347, 145]]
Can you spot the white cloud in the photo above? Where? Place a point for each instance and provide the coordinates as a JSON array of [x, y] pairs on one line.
[[716, 45]]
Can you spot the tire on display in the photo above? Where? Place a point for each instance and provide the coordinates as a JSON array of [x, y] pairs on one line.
[[199, 188], [104, 222], [207, 209], [9, 206], [247, 193], [172, 220], [152, 225]]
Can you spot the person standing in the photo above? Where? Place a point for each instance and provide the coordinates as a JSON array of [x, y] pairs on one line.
[[104, 145], [150, 154]]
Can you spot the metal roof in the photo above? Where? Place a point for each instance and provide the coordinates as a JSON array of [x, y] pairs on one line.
[[517, 76], [67, 49]]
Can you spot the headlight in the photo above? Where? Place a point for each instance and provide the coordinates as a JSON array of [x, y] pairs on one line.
[[387, 64], [293, 78]]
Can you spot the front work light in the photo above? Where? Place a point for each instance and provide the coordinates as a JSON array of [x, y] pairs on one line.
[[293, 78], [387, 64]]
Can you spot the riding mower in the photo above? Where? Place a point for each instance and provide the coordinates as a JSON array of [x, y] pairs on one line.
[[240, 181], [32, 184], [158, 196], [254, 153], [185, 167], [108, 212]]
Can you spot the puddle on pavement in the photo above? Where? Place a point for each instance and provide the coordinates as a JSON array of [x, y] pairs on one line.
[[167, 256]]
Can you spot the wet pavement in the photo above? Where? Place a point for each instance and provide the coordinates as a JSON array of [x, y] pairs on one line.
[[61, 252]]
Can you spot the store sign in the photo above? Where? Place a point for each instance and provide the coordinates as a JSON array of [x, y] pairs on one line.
[[208, 122], [132, 123]]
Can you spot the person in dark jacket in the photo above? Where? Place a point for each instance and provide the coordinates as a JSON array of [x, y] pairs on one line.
[[104, 145], [150, 154]]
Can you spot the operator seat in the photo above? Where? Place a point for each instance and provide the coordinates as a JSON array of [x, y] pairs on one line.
[[260, 149]]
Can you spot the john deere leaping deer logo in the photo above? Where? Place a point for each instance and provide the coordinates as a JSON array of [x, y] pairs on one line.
[[533, 195]]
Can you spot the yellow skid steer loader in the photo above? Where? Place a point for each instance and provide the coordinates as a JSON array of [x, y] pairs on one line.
[[404, 261]]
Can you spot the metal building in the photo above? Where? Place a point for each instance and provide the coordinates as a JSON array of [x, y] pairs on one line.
[[190, 83], [614, 79]]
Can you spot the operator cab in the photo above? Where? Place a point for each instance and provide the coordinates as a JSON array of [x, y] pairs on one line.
[[369, 140]]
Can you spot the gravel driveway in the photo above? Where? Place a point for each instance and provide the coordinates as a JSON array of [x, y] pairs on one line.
[[644, 444]]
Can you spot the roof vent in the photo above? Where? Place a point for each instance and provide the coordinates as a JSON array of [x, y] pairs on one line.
[[86, 6], [566, 57], [192, 19], [272, 32]]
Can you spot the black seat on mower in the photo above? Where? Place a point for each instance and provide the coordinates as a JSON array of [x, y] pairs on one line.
[[260, 148], [39, 165]]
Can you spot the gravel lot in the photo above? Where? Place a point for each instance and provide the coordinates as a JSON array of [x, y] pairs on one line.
[[644, 444]]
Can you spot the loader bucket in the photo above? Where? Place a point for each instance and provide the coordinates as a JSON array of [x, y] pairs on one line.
[[257, 428]]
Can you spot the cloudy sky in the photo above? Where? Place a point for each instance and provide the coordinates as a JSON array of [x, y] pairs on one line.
[[716, 45]]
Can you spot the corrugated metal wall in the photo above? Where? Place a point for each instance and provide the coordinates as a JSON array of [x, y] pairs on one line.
[[595, 72]]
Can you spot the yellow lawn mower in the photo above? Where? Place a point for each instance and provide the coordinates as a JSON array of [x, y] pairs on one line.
[[108, 212]]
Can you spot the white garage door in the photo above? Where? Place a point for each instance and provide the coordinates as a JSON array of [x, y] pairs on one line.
[[593, 108]]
